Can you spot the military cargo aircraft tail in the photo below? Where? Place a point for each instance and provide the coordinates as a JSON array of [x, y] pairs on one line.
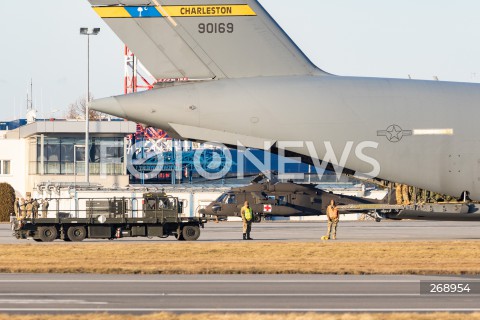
[[204, 39]]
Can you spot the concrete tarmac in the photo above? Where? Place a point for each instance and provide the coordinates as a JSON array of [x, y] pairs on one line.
[[350, 231], [58, 293], [44, 293]]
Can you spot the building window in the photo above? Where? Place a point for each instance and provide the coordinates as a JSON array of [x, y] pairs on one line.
[[4, 167], [64, 156]]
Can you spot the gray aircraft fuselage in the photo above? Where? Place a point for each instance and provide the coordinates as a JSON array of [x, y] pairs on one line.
[[434, 143]]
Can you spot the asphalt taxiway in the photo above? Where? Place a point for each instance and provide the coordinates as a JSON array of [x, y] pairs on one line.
[[44, 293], [59, 293], [357, 231]]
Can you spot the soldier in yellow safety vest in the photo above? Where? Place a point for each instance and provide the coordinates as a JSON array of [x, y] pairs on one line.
[[247, 218]]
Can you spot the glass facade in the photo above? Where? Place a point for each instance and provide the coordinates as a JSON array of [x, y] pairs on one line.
[[66, 156]]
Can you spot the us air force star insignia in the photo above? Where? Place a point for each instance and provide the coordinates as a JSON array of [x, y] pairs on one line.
[[394, 133]]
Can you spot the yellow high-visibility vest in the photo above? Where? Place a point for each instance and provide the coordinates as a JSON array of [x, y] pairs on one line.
[[248, 214]]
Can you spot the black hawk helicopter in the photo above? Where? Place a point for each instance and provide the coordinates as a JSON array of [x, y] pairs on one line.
[[281, 199]]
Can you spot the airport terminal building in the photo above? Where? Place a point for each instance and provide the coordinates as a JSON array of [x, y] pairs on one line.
[[43, 153]]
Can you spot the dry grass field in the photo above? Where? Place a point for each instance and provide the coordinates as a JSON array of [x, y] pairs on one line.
[[309, 316], [445, 257]]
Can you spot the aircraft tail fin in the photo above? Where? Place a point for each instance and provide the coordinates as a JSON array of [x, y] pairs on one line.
[[204, 39]]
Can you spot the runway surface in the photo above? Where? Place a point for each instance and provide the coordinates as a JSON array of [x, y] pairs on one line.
[[312, 231], [45, 293]]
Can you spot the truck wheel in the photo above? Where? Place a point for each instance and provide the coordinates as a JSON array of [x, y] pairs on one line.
[[76, 234], [191, 233], [47, 234], [257, 218]]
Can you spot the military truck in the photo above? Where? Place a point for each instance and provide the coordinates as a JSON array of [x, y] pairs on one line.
[[159, 216]]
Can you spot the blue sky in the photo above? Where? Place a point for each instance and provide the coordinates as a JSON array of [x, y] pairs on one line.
[[377, 38]]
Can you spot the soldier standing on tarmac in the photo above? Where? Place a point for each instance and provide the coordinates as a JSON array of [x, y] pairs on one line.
[[401, 193], [16, 208], [247, 218], [413, 194], [333, 218], [398, 193], [425, 196], [406, 197]]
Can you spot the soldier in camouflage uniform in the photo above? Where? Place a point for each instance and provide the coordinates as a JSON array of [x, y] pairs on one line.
[[405, 195], [426, 196], [23, 209], [45, 205], [29, 208], [333, 218], [398, 193], [16, 208], [412, 191], [35, 206]]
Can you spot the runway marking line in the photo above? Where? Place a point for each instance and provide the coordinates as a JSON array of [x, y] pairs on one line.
[[45, 301], [237, 310], [225, 281], [215, 295]]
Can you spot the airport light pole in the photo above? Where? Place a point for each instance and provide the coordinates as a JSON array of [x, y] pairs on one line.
[[88, 32]]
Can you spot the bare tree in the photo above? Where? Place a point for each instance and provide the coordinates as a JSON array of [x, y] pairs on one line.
[[77, 109]]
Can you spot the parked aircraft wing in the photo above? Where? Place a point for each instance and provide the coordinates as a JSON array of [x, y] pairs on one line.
[[204, 39]]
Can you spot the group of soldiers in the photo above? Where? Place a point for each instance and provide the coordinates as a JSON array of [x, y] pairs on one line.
[[406, 195], [332, 215], [30, 208]]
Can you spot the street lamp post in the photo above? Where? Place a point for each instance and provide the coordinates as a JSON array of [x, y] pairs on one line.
[[87, 32]]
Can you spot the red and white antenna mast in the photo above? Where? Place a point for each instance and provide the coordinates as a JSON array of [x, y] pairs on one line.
[[137, 78]]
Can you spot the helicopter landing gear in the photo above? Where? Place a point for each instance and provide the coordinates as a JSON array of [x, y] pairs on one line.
[[373, 215]]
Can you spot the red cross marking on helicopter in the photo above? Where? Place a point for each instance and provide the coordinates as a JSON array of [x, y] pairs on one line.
[[267, 208]]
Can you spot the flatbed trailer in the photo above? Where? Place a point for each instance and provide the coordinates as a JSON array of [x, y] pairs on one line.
[[160, 217], [442, 211]]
